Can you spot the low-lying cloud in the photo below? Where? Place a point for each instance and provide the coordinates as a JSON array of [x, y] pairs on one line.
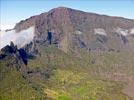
[[100, 31], [20, 39]]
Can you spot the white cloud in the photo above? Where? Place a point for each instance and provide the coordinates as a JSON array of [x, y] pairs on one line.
[[132, 31], [78, 32], [20, 39], [99, 31], [122, 31], [7, 26]]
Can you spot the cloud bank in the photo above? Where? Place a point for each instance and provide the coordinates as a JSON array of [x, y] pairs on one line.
[[20, 39]]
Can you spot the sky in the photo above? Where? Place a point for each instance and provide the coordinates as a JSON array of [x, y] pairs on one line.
[[13, 11]]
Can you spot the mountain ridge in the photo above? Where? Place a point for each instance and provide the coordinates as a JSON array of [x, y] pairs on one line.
[[66, 24], [73, 56], [71, 9], [68, 11]]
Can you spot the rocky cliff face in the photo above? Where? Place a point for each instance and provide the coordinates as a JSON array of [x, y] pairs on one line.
[[73, 28]]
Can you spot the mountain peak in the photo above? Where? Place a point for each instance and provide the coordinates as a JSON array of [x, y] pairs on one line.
[[65, 23], [60, 8]]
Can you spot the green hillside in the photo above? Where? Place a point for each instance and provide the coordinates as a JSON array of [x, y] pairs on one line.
[[55, 75]]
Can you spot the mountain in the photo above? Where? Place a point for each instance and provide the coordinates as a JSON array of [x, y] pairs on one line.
[[73, 28], [67, 54]]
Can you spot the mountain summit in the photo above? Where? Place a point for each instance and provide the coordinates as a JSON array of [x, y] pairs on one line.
[[67, 54], [73, 28]]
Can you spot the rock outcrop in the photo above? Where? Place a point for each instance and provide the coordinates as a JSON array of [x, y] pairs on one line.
[[64, 23], [12, 51]]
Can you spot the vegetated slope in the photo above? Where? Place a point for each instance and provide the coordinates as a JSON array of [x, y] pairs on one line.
[[14, 81], [55, 75], [88, 58], [76, 78]]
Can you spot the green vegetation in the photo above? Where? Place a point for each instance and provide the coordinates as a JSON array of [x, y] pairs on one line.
[[78, 86], [60, 76], [13, 86]]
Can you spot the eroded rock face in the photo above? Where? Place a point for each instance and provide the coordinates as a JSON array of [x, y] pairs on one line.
[[70, 27], [11, 50]]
